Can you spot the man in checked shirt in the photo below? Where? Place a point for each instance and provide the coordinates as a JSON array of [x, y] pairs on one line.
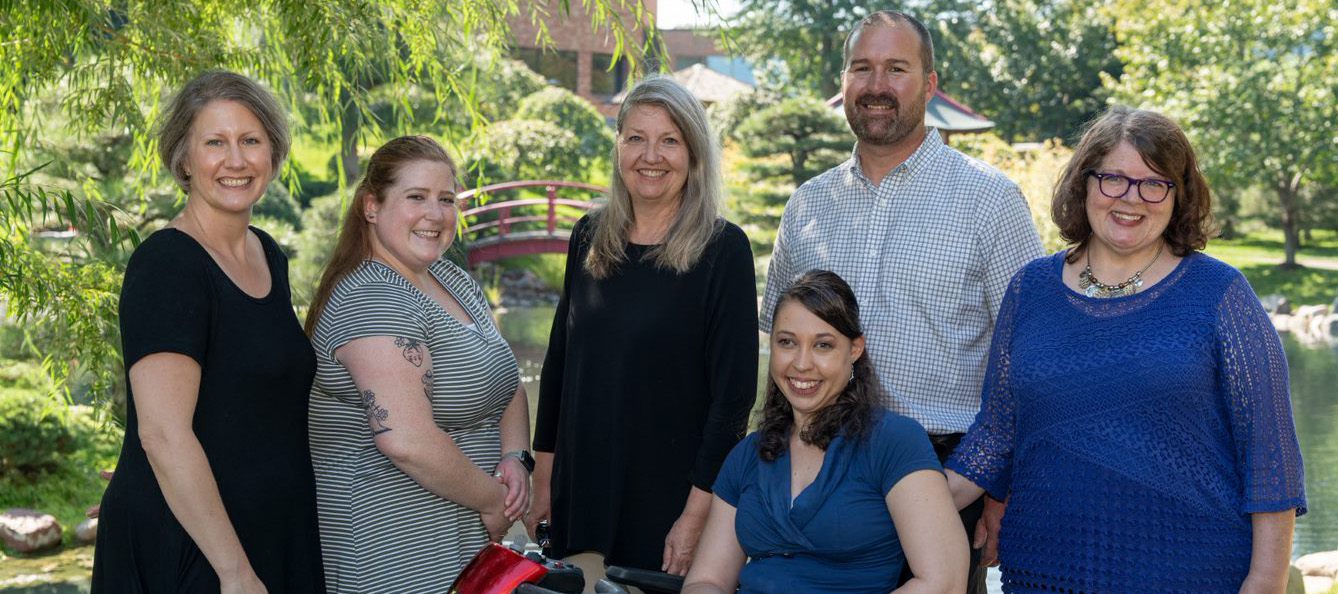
[[927, 236]]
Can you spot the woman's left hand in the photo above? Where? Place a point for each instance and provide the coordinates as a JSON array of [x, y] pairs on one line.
[[513, 475], [681, 543]]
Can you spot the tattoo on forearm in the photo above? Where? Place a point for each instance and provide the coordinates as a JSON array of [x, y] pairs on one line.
[[413, 350], [376, 416], [427, 385]]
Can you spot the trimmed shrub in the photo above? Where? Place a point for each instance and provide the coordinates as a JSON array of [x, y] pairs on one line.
[[525, 149], [559, 106], [35, 436]]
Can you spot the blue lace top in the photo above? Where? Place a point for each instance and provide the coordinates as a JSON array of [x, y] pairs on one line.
[[1133, 435]]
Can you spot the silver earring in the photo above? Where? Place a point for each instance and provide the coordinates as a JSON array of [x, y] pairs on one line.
[[852, 373]]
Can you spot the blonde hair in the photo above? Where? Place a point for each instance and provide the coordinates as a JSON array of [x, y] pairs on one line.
[[698, 216]]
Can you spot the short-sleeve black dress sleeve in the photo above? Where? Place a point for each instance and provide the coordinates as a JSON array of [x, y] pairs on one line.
[[250, 418]]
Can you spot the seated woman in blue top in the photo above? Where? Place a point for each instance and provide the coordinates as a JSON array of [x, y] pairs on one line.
[[832, 493]]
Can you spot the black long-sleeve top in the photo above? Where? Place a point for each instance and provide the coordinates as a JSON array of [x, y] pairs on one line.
[[645, 388]]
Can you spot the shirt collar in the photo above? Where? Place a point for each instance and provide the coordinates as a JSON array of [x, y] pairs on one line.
[[928, 147]]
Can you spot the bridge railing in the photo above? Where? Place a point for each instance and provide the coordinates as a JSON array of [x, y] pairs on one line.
[[504, 219], [490, 229]]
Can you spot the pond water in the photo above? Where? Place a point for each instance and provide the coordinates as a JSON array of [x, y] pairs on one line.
[[1314, 385]]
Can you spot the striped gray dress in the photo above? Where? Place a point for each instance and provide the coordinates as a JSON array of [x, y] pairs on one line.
[[380, 530]]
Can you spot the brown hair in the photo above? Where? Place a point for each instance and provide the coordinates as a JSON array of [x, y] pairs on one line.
[[1165, 149], [827, 296], [892, 18], [218, 85], [355, 242]]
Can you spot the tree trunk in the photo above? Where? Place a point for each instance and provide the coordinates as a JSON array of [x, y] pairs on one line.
[[349, 123], [798, 159], [825, 49], [1290, 232]]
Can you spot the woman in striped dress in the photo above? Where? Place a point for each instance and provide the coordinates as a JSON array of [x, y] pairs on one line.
[[417, 396]]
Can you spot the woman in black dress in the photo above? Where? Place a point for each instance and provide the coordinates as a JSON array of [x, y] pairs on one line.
[[652, 360], [214, 489]]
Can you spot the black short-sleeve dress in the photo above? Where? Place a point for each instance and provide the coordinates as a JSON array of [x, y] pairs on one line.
[[256, 370]]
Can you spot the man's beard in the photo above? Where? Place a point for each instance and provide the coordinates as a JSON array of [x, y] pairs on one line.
[[885, 130]]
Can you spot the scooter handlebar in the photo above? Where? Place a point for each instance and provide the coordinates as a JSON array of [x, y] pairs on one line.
[[654, 582]]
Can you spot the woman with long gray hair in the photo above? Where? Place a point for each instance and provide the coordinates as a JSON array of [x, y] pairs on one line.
[[652, 360]]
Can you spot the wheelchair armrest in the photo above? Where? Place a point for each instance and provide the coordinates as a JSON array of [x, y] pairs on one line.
[[653, 582]]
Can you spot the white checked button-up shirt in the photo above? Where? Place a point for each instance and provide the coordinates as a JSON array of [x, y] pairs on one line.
[[929, 252]]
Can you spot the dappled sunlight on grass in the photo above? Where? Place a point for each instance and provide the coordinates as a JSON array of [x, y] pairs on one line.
[[1259, 254], [1303, 286]]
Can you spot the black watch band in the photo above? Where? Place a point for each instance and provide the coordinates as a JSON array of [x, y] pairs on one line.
[[525, 458]]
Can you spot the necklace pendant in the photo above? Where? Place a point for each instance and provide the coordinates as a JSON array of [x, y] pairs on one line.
[[1092, 290]]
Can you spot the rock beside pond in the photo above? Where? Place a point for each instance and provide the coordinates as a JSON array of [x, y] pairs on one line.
[[1319, 564], [87, 531], [28, 531], [523, 288], [1309, 323], [1275, 304]]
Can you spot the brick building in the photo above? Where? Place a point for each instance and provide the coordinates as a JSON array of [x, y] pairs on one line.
[[688, 47], [579, 57]]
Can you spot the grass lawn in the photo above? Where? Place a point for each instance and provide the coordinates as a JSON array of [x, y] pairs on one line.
[[1257, 255]]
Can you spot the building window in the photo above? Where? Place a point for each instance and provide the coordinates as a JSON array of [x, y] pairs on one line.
[[605, 80], [557, 67]]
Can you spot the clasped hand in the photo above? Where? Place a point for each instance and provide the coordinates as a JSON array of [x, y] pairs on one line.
[[515, 482]]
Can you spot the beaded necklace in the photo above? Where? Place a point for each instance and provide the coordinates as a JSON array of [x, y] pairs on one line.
[[1095, 288]]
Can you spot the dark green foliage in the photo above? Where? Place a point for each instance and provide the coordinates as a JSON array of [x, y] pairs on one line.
[[99, 72], [563, 108], [810, 136], [806, 34], [726, 116], [37, 433], [50, 452], [1035, 67], [501, 85], [1252, 86], [312, 186], [14, 342], [526, 149], [69, 306], [784, 144], [279, 205], [320, 227]]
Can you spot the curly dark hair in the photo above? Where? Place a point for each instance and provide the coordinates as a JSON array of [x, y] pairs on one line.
[[827, 296], [1165, 149]]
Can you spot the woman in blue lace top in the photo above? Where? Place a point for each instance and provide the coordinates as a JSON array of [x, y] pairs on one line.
[[1135, 409]]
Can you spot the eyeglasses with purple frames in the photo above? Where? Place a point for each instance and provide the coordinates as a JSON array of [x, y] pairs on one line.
[[1114, 185]]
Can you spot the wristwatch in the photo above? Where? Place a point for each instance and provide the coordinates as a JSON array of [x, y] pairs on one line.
[[525, 458]]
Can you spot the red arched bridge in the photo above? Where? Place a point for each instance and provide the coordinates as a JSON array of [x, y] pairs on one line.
[[499, 230]]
